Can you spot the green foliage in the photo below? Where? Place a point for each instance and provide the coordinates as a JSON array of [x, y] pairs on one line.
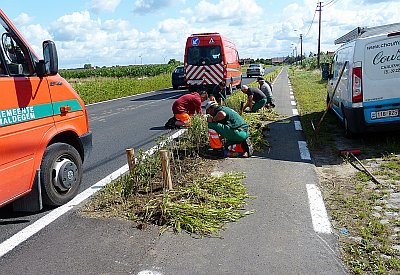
[[119, 71], [310, 63], [174, 62]]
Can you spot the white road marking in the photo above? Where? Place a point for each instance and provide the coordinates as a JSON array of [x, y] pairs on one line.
[[149, 272], [304, 153], [297, 125], [319, 215], [295, 112], [292, 96], [293, 102], [41, 223]]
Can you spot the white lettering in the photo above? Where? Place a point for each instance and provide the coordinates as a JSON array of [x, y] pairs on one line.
[[16, 115]]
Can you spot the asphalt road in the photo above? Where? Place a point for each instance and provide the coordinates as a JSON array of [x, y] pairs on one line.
[[76, 245], [130, 122]]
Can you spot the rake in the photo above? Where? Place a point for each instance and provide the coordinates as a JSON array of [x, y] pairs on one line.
[[316, 128]]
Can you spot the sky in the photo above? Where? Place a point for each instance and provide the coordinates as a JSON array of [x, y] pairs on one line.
[[126, 32]]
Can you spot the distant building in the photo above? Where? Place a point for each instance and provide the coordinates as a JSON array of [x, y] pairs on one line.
[[278, 60], [246, 60]]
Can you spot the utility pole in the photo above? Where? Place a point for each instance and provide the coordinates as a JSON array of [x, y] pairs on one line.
[[319, 33], [301, 49]]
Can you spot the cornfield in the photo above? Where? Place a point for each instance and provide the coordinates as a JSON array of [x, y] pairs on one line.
[[119, 71]]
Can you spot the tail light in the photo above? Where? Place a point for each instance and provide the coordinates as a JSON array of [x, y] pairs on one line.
[[357, 85]]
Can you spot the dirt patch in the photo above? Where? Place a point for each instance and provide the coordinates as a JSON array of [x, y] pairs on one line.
[[363, 212]]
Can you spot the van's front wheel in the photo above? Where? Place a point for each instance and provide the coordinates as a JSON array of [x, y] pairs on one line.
[[61, 173]]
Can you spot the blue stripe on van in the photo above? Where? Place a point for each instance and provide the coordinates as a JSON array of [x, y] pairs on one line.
[[372, 109]]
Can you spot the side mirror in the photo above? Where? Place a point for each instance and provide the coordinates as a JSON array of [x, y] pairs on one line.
[[50, 57]]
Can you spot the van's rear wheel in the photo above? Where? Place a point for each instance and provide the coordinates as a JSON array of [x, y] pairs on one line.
[[61, 174], [229, 90], [347, 132]]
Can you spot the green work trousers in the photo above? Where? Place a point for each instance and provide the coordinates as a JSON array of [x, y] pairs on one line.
[[232, 136], [259, 104]]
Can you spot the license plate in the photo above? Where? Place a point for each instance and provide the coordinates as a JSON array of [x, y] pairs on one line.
[[384, 114], [195, 82]]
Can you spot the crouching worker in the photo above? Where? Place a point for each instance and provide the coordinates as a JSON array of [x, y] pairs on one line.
[[225, 122], [266, 88], [186, 106], [256, 99]]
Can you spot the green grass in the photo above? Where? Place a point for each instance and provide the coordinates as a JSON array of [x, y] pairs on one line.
[[98, 89], [352, 202], [311, 95]]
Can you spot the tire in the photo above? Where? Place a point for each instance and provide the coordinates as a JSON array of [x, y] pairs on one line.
[[347, 132], [175, 87], [239, 86], [229, 90], [60, 174]]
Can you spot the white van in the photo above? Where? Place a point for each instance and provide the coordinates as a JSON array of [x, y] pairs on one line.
[[368, 94]]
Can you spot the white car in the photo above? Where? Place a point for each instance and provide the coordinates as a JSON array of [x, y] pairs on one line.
[[255, 70]]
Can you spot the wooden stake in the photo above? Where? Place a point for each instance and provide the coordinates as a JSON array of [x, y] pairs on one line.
[[166, 170], [130, 154]]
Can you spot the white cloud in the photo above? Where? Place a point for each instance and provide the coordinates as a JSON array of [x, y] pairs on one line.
[[239, 11], [36, 34], [83, 37], [142, 7], [23, 19], [104, 5]]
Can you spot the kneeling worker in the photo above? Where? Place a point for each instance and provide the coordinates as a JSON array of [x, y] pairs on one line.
[[186, 106], [229, 124], [266, 88], [256, 99]]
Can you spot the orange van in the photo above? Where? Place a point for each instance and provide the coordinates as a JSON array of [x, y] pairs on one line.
[[44, 129], [209, 59]]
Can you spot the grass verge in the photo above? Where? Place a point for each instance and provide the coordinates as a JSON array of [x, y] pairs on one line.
[[364, 213], [96, 89]]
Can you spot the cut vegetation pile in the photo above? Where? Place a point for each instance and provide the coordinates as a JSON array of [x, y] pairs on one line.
[[198, 203]]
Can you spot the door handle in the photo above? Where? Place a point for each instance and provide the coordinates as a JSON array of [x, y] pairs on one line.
[[65, 109]]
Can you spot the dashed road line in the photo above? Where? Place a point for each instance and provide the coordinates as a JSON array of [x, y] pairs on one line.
[[320, 220], [319, 215], [304, 153], [297, 125]]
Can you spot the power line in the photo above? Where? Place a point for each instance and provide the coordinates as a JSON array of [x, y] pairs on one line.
[[330, 3], [312, 22]]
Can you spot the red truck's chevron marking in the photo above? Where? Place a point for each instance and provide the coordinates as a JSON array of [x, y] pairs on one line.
[[210, 74]]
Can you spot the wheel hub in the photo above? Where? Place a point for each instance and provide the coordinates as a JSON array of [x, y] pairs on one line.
[[66, 173]]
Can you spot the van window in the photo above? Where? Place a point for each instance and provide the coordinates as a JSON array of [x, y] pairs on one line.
[[207, 55], [14, 53]]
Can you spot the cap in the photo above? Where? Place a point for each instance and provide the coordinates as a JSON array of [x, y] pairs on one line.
[[260, 78], [210, 103]]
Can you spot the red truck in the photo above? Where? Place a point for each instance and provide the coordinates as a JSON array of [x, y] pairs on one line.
[[209, 59]]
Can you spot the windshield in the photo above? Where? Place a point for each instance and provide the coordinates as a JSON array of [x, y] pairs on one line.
[[179, 70], [207, 55]]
